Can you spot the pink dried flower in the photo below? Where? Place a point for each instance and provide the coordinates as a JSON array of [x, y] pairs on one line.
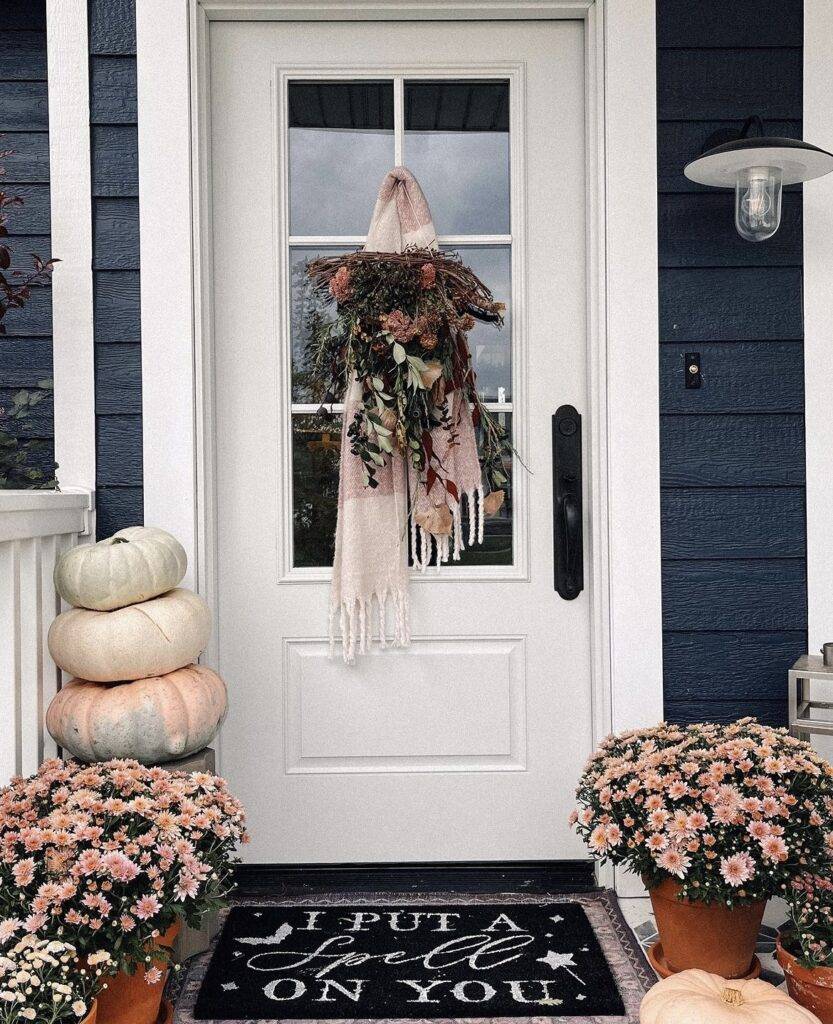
[[427, 276], [398, 324], [341, 288]]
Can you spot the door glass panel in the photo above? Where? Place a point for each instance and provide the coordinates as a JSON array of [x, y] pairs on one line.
[[304, 304], [457, 145], [455, 138], [340, 149], [316, 443], [491, 348]]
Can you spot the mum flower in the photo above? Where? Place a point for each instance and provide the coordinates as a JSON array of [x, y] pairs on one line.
[[674, 862], [774, 848], [737, 869]]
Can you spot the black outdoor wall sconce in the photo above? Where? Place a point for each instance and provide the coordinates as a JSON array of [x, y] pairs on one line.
[[756, 166]]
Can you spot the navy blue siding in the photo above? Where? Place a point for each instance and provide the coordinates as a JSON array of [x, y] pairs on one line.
[[26, 351], [733, 501], [114, 155]]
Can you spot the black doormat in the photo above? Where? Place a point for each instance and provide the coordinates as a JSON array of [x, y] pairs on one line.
[[446, 961]]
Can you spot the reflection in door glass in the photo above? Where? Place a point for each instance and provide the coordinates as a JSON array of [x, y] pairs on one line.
[[316, 446], [457, 145], [491, 349], [304, 304], [340, 148]]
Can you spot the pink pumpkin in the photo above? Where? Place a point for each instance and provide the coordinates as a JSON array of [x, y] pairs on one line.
[[153, 720]]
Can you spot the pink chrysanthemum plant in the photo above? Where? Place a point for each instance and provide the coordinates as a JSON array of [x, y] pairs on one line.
[[110, 855], [40, 980], [733, 813], [809, 935]]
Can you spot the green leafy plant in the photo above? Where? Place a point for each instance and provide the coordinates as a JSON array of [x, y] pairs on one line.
[[17, 452]]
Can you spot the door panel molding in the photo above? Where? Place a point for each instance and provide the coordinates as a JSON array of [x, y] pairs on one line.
[[179, 457]]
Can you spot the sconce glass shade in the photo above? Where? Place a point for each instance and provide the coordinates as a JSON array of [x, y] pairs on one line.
[[758, 202], [757, 167]]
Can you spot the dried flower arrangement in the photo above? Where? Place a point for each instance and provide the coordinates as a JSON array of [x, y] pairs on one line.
[[401, 330], [732, 812], [40, 980], [110, 855]]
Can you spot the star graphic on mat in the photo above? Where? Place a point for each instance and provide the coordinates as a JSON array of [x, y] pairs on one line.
[[556, 960], [556, 918], [549, 1001], [581, 996], [237, 952], [257, 914], [229, 986]]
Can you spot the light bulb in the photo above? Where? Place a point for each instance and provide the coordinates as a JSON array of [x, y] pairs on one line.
[[758, 202]]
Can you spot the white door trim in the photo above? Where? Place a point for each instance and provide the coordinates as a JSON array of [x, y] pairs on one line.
[[73, 350], [818, 316], [622, 308]]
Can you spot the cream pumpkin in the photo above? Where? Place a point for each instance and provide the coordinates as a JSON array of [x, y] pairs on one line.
[[147, 639], [133, 565], [152, 720], [696, 997]]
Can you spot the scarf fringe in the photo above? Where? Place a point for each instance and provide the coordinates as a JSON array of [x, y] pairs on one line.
[[356, 617], [356, 621], [441, 550]]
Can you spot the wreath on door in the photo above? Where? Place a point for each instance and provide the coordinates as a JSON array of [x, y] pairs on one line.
[[418, 444]]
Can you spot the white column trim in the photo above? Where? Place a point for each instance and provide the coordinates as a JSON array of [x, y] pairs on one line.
[[632, 386], [818, 324], [167, 284], [73, 348]]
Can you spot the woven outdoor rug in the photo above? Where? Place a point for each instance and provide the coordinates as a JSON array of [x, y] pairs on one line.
[[420, 957]]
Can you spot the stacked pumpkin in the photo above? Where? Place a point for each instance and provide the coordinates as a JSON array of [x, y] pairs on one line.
[[131, 641]]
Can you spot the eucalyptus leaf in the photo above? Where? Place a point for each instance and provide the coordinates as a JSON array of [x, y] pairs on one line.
[[399, 354]]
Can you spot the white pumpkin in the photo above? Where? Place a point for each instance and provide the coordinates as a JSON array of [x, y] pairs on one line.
[[697, 997], [142, 640], [152, 720], [133, 565]]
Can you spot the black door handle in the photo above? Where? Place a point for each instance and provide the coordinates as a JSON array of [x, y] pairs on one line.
[[571, 525], [568, 538]]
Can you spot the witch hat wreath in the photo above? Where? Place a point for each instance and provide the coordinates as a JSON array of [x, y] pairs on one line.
[[410, 463]]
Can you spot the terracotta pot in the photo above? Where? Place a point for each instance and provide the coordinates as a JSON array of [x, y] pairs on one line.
[[706, 936], [810, 987], [128, 999], [92, 1015]]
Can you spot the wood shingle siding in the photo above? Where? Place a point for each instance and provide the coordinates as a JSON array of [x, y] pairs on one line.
[[115, 178], [733, 502]]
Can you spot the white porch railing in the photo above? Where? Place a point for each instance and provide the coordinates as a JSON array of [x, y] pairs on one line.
[[35, 528]]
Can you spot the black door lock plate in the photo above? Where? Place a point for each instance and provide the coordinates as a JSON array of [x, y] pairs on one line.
[[567, 526]]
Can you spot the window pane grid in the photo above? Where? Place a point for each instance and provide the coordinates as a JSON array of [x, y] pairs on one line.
[[419, 119]]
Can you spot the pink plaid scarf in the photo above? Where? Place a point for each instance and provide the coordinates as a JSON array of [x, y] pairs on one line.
[[371, 548]]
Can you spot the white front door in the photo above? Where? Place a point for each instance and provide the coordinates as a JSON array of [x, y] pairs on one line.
[[467, 745]]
